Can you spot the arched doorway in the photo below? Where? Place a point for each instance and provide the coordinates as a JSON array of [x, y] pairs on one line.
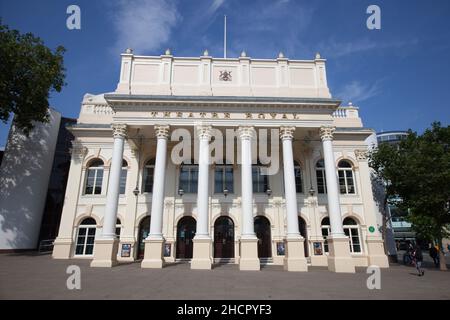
[[262, 230], [224, 238], [304, 233], [144, 230], [185, 233]]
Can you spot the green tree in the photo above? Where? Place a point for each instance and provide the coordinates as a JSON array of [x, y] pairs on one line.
[[417, 174], [29, 71]]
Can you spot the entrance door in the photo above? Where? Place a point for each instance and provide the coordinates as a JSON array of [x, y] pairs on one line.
[[144, 230], [185, 233], [262, 230], [224, 238], [303, 232]]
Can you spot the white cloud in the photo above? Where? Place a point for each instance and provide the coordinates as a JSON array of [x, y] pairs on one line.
[[358, 92], [215, 5], [143, 25], [336, 49]]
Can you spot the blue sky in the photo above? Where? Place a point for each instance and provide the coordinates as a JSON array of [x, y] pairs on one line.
[[399, 76]]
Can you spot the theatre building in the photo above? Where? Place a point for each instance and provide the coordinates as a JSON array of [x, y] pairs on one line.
[[208, 160]]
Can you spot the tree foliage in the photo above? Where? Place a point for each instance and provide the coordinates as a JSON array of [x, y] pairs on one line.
[[29, 71], [417, 176]]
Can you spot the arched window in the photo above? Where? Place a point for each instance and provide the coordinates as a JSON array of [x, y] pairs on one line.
[[189, 178], [149, 173], [118, 228], [123, 177], [326, 231], [85, 237], [223, 179], [298, 177], [351, 230], [260, 180], [346, 177], [321, 178], [94, 177]]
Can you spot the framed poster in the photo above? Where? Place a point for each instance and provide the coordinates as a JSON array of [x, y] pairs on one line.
[[126, 250], [318, 248], [167, 249], [281, 249]]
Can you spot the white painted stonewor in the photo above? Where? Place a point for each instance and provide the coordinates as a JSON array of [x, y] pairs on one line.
[[112, 197], [287, 134], [162, 134], [204, 136], [248, 229], [334, 209]]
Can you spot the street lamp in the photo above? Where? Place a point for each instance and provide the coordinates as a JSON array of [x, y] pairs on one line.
[[225, 192], [312, 191], [269, 192], [136, 191], [180, 192]]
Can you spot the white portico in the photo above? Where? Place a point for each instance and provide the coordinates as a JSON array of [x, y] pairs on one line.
[[207, 160]]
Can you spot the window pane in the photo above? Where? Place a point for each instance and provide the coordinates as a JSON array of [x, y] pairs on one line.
[[184, 179], [90, 181], [123, 181], [218, 180], [298, 180], [194, 180], [80, 240], [79, 249], [91, 231], [148, 179], [98, 181], [82, 231], [89, 249], [229, 179], [356, 248]]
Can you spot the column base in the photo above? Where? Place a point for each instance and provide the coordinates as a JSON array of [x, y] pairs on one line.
[[376, 254], [295, 260], [105, 253], [62, 248], [201, 259], [249, 260], [339, 258], [153, 254]]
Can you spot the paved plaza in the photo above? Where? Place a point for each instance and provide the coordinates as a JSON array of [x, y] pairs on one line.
[[32, 276]]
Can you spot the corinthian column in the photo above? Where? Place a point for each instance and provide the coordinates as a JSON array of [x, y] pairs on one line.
[[339, 258], [106, 246], [202, 241], [154, 244], [249, 243], [295, 253]]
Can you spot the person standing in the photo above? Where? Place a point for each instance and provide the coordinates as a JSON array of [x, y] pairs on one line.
[[418, 259], [434, 254]]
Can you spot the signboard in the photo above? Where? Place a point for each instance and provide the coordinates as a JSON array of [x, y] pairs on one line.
[[317, 248], [281, 249], [126, 250], [167, 250]]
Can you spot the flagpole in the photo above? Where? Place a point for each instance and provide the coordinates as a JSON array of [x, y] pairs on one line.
[[225, 38]]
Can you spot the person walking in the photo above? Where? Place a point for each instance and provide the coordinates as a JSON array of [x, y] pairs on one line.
[[434, 254], [418, 259]]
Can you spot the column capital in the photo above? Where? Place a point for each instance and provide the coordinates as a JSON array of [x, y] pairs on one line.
[[326, 132], [120, 130], [203, 131], [162, 131], [246, 132], [287, 133], [361, 155]]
